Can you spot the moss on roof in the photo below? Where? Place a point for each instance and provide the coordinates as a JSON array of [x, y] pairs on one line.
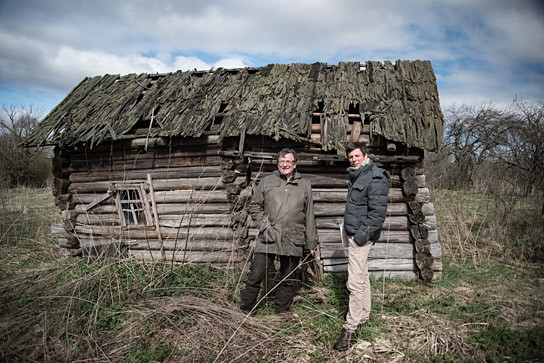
[[400, 100]]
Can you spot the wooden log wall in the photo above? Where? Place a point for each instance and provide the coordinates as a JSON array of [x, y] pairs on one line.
[[198, 192], [400, 252], [195, 191]]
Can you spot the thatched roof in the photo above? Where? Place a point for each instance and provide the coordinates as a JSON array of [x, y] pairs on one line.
[[401, 101]]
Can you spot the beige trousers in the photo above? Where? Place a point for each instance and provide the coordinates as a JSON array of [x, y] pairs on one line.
[[358, 285]]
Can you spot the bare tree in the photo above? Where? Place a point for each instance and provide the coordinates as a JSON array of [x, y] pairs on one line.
[[21, 166]]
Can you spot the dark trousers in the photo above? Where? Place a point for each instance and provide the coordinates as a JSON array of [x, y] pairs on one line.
[[285, 291]]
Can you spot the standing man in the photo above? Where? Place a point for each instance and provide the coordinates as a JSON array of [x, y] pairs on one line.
[[282, 207], [366, 207]]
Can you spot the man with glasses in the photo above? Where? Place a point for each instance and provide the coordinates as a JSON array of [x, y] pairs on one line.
[[282, 208]]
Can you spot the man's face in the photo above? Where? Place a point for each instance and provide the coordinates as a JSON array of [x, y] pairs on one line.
[[356, 158], [287, 165]]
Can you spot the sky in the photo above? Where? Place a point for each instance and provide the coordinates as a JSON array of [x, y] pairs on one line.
[[482, 51]]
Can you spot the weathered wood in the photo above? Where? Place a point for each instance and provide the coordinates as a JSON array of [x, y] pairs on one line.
[[381, 264], [68, 218], [59, 162], [408, 173], [58, 231], [391, 147], [422, 245], [196, 184], [419, 231], [382, 250], [193, 196], [410, 187], [70, 242], [330, 236], [356, 131], [187, 256], [61, 185], [200, 220], [62, 173], [192, 208], [138, 174], [426, 274], [424, 259], [145, 233], [169, 245], [119, 160]]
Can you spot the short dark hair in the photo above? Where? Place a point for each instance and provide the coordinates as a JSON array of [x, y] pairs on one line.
[[286, 151], [356, 145]]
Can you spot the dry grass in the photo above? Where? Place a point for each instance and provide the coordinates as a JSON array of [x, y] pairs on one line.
[[57, 308]]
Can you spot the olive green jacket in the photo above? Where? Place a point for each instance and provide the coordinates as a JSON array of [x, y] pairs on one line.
[[284, 213]]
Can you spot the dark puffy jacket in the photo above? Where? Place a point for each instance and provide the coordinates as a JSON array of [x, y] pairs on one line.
[[284, 213], [366, 203]]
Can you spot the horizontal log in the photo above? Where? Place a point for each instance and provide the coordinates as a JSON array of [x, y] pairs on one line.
[[93, 158], [382, 250], [328, 237], [58, 231], [156, 173], [71, 242], [390, 264], [183, 196], [100, 219], [197, 220], [161, 197], [141, 232], [145, 161], [331, 237], [160, 141], [197, 184], [175, 245], [187, 257], [192, 208], [164, 208], [401, 275]]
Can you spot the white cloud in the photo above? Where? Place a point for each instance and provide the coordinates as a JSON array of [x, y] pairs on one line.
[[479, 49]]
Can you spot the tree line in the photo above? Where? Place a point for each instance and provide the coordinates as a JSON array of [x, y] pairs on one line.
[[22, 166], [485, 148], [492, 149]]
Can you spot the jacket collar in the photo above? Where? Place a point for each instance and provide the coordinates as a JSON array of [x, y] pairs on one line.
[[355, 172], [296, 175]]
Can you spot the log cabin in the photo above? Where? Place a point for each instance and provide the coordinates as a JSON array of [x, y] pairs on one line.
[[161, 166]]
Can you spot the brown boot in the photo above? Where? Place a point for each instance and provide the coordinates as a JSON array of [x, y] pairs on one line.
[[345, 339]]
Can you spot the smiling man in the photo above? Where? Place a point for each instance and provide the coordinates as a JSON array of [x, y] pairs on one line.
[[366, 207], [282, 207]]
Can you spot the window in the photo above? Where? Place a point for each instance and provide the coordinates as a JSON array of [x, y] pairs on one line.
[[132, 204]]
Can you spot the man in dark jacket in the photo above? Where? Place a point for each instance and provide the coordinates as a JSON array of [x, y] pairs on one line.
[[282, 207], [366, 207]]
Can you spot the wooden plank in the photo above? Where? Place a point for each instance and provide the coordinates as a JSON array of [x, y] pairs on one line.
[[198, 184], [142, 232], [197, 220], [382, 250], [156, 173], [175, 245], [391, 264], [187, 256]]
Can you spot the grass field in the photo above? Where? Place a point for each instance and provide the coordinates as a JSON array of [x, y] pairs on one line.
[[488, 305]]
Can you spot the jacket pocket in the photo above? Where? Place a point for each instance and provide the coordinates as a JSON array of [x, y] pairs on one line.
[[272, 234], [358, 195], [299, 236]]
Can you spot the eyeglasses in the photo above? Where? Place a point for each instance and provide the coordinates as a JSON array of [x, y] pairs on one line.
[[286, 162]]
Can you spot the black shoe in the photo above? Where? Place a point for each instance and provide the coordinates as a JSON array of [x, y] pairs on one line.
[[345, 339], [247, 312]]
